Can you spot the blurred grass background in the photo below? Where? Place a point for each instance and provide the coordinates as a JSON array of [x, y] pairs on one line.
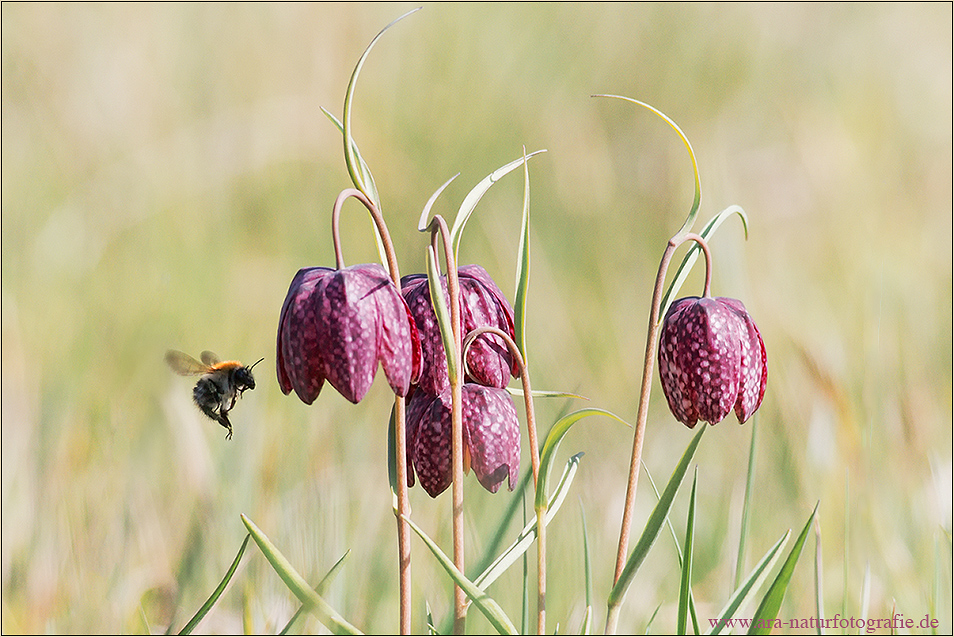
[[166, 170]]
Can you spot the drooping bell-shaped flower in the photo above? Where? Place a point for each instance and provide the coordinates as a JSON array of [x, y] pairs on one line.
[[491, 436], [338, 325], [711, 360], [482, 305]]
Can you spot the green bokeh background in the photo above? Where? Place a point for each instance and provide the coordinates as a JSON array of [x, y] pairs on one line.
[[166, 170]]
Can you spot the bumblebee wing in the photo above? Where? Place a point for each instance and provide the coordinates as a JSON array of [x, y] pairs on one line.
[[184, 365], [209, 358]]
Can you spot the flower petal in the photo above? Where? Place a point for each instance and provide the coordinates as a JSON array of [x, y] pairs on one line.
[[299, 367], [492, 435], [754, 368], [699, 361]]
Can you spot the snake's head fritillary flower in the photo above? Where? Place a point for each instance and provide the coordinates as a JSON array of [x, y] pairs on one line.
[[482, 305], [491, 437], [338, 325], [711, 360]]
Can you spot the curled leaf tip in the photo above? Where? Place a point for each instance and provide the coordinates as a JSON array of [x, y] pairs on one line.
[[423, 225]]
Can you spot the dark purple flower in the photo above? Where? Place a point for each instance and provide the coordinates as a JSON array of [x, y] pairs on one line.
[[491, 438], [711, 359], [482, 305], [337, 325]]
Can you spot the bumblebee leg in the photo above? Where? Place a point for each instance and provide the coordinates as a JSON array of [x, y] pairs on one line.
[[223, 419]]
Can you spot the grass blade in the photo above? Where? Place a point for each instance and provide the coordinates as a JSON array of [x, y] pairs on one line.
[[747, 500], [214, 597], [544, 393], [320, 589], [369, 186], [682, 272], [523, 268], [682, 617], [767, 612], [473, 197], [587, 577], [750, 585], [675, 541], [552, 443], [528, 535], [865, 595], [360, 175], [442, 313], [490, 608], [819, 596], [297, 584], [694, 210], [654, 524]]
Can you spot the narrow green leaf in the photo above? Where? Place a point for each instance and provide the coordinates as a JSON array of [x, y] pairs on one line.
[[587, 577], [356, 168], [392, 461], [369, 181], [682, 617], [694, 210], [431, 626], [767, 611], [746, 501], [552, 443], [543, 393], [654, 524], [675, 541], [682, 272], [529, 533], [423, 222], [297, 584], [523, 268], [844, 591], [865, 595], [440, 304], [819, 592], [747, 589], [490, 608], [214, 597], [320, 589], [470, 201], [652, 618], [363, 166]]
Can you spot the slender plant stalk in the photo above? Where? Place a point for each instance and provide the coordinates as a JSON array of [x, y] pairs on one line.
[[642, 414], [400, 432], [541, 511], [438, 227]]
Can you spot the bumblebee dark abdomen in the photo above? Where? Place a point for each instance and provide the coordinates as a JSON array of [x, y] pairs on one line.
[[206, 392]]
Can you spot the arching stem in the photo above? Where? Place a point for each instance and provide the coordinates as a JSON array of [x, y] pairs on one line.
[[642, 414], [400, 431], [541, 512]]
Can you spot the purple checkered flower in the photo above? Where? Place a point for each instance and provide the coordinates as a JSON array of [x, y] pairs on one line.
[[491, 438], [482, 305], [337, 325], [711, 360]]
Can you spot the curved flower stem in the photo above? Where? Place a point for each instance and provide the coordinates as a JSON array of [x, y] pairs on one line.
[[403, 510], [642, 414], [456, 378], [541, 512]]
